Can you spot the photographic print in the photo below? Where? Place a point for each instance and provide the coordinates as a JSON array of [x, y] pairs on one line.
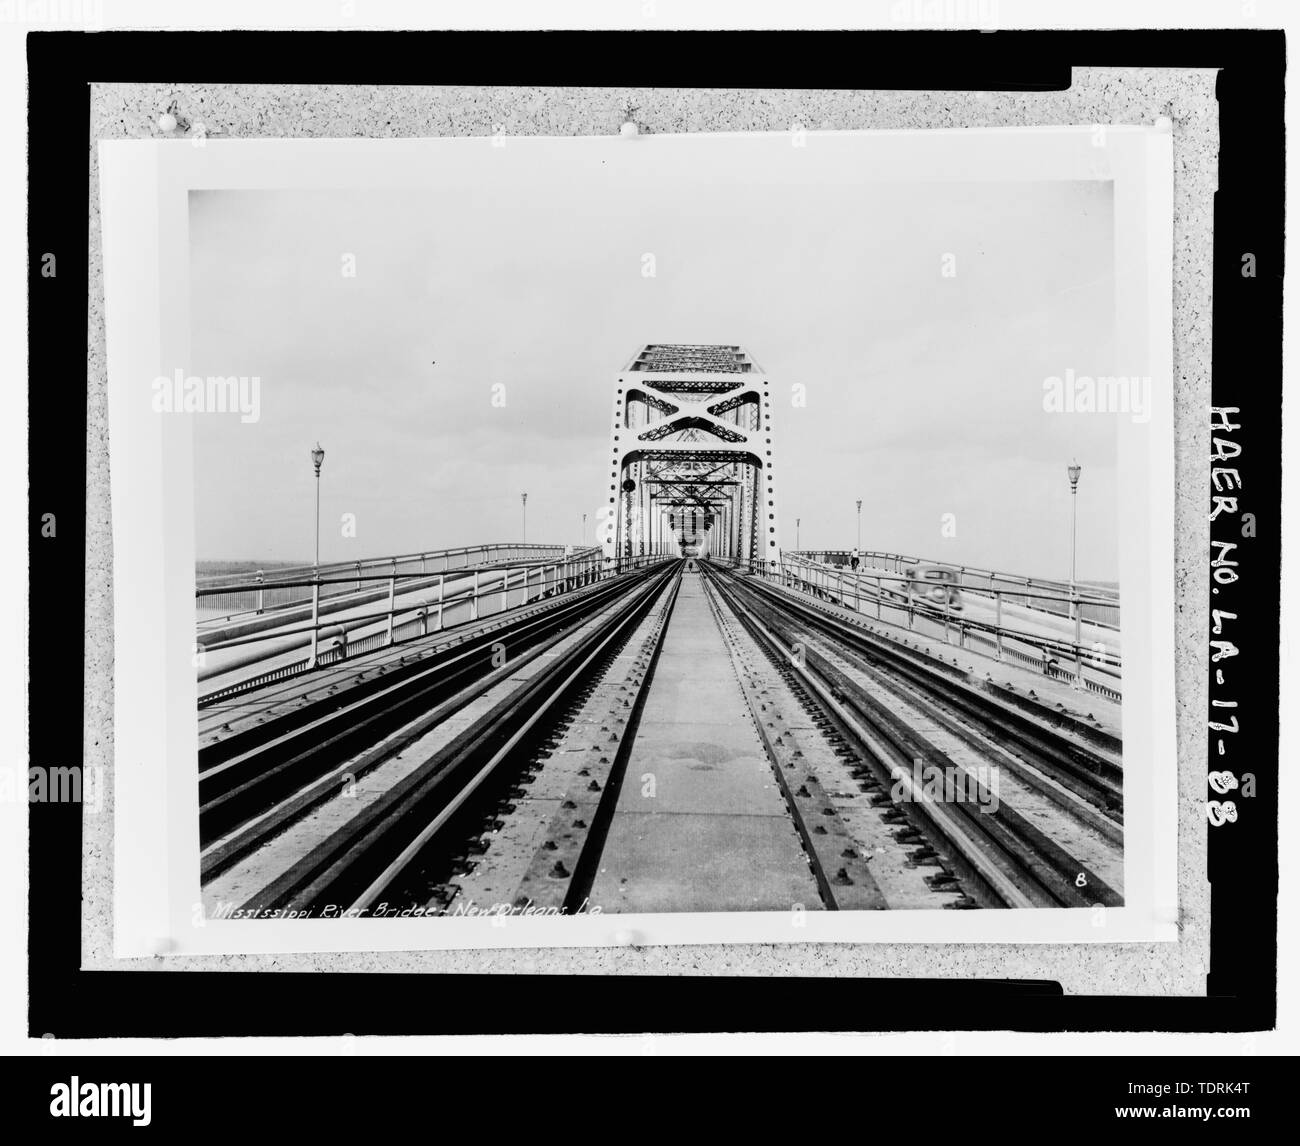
[[671, 527], [781, 552]]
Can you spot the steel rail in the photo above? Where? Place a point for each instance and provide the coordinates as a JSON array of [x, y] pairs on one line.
[[251, 784], [248, 581], [844, 881], [539, 614], [1095, 774], [868, 588], [372, 839], [286, 639], [589, 856], [257, 625], [976, 859], [1102, 594], [390, 660], [564, 867], [1013, 859], [1096, 770]]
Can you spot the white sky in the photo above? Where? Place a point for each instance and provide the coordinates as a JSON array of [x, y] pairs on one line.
[[924, 393]]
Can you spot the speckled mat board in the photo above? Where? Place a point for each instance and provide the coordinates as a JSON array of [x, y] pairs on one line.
[[702, 748], [985, 315]]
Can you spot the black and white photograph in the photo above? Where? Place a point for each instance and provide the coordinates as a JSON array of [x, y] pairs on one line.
[[631, 533], [820, 622], [671, 526]]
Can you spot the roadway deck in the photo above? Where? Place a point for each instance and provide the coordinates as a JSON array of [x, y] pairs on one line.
[[236, 713], [1034, 622], [1048, 692], [279, 644], [700, 824]]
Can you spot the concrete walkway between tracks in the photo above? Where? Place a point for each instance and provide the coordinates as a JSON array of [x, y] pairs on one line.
[[700, 824]]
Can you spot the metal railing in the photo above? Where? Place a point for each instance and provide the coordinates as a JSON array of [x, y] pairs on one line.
[[1100, 604], [1096, 666], [309, 639], [222, 597]]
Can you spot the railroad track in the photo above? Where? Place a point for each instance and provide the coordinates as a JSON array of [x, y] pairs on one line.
[[545, 853], [1051, 837], [549, 831], [486, 717], [491, 770], [258, 779], [1081, 758]]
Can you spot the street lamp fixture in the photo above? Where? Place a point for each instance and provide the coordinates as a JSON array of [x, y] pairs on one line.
[[317, 456], [1073, 470]]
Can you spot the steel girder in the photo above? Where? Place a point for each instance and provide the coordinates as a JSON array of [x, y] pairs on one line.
[[698, 438]]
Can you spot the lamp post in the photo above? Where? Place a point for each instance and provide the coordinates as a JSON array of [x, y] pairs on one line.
[[523, 500], [317, 456], [584, 530], [859, 524], [1073, 470], [797, 522]]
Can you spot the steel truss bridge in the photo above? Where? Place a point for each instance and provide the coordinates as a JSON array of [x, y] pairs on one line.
[[682, 717], [691, 460]]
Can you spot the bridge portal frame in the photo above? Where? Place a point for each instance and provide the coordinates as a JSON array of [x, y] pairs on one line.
[[692, 441]]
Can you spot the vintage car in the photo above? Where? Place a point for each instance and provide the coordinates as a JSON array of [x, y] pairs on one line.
[[934, 585]]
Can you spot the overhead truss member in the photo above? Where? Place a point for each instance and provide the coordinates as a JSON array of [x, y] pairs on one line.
[[691, 469]]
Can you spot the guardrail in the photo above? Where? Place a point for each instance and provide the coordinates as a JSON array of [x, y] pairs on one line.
[[1086, 665], [467, 593], [224, 596], [1100, 603]]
